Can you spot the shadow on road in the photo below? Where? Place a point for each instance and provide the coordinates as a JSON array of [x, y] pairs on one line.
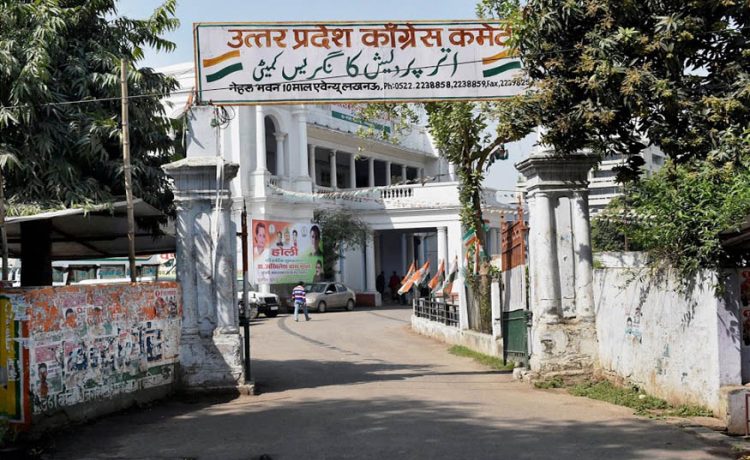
[[277, 376], [369, 428]]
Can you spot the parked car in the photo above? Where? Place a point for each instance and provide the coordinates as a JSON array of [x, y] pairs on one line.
[[266, 302], [324, 296]]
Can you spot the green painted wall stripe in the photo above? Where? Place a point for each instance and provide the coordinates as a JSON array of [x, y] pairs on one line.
[[501, 69], [223, 72]]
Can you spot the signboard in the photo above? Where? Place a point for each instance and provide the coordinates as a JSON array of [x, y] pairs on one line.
[[283, 63], [286, 252]]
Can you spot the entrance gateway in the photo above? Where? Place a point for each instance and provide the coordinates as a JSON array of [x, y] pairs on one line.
[[282, 161]]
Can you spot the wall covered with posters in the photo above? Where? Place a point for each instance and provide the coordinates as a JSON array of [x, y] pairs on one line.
[[82, 344], [286, 252]]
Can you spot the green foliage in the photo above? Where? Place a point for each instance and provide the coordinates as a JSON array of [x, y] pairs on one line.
[[614, 228], [485, 360], [609, 74], [554, 382], [341, 230], [54, 56], [628, 397], [632, 397], [683, 210]]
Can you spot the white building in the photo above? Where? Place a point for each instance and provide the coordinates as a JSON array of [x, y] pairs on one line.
[[291, 156], [602, 185]]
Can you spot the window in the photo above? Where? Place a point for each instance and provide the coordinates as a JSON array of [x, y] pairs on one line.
[[340, 288], [605, 191], [107, 272], [81, 273]]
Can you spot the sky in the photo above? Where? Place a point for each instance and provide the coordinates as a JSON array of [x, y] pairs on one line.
[[502, 175]]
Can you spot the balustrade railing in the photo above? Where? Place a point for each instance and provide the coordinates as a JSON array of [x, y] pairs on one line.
[[401, 192], [437, 311]]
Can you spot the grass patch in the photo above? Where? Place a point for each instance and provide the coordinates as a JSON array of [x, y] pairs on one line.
[[642, 403], [489, 361], [554, 382]]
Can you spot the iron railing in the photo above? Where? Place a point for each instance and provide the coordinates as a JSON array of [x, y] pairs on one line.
[[437, 311]]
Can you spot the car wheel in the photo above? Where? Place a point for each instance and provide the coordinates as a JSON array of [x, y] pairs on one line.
[[271, 314], [350, 305], [322, 307], [254, 313]]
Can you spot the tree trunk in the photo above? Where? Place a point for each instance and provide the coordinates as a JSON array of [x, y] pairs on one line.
[[36, 253]]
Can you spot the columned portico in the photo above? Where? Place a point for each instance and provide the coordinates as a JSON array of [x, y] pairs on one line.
[[334, 179], [563, 334], [442, 246], [313, 173], [260, 175], [371, 172], [387, 173], [352, 171], [280, 156], [303, 181]]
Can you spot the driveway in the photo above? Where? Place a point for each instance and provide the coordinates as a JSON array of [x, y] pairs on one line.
[[361, 384]]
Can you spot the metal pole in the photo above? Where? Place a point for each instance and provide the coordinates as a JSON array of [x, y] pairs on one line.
[[126, 169], [245, 264], [3, 233]]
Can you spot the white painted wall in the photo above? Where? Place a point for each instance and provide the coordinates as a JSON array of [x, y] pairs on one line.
[[353, 274], [682, 348]]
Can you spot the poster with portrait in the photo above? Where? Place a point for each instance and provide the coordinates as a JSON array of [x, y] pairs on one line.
[[286, 252]]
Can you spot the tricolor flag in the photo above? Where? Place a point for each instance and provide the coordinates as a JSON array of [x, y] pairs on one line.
[[409, 273], [422, 274], [494, 65], [447, 286], [470, 237], [416, 278], [221, 66], [439, 277]]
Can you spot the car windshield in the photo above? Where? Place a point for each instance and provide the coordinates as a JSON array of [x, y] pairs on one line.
[[316, 287]]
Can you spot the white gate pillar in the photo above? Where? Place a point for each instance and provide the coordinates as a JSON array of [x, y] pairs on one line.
[[563, 335], [210, 352]]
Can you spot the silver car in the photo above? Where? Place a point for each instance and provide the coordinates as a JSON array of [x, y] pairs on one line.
[[323, 296]]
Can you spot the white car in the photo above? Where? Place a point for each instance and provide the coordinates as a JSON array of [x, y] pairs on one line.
[[324, 296], [266, 302]]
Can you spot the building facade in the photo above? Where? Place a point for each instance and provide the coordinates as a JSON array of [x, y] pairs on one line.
[[295, 159]]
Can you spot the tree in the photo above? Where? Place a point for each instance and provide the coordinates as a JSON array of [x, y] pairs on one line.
[[59, 103], [341, 230], [612, 77]]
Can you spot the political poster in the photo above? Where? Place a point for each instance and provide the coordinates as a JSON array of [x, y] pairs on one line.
[[286, 252], [316, 62]]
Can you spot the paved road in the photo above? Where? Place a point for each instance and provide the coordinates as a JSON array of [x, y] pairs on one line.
[[362, 385]]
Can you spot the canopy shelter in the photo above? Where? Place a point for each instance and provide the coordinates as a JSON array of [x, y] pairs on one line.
[[82, 234]]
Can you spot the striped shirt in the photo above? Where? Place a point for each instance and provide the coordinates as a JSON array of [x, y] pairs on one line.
[[298, 294]]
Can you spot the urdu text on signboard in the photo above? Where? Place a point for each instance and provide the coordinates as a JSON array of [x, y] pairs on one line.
[[288, 63]]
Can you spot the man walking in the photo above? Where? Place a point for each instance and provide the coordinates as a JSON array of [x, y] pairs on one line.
[[298, 294]]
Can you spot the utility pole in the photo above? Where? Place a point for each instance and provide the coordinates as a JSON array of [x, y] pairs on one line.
[[245, 300], [126, 169], [3, 232]]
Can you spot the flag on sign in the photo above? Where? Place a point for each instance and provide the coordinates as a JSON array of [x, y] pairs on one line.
[[439, 277], [220, 66], [447, 286]]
